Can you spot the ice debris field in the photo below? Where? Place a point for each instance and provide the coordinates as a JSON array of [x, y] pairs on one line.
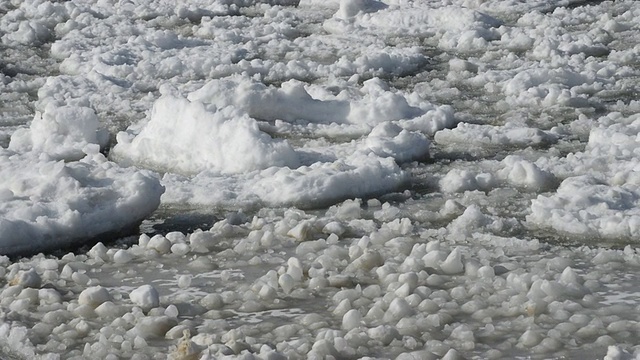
[[338, 179]]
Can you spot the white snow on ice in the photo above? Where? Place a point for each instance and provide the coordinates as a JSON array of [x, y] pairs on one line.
[[380, 179]]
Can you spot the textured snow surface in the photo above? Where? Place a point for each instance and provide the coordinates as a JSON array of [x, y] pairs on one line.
[[58, 190], [271, 179]]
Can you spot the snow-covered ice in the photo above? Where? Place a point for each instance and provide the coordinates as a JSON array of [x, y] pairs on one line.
[[59, 190], [270, 179]]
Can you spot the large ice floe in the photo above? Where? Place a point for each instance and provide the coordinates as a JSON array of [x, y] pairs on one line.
[[213, 139], [343, 179], [599, 197], [57, 189]]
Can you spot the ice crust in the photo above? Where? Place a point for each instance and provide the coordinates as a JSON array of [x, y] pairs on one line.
[[391, 179]]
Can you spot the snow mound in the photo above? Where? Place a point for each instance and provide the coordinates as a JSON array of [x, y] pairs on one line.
[[61, 132], [455, 27], [583, 205], [490, 135], [216, 139], [599, 197], [185, 137], [50, 199], [371, 104], [318, 184], [525, 174]]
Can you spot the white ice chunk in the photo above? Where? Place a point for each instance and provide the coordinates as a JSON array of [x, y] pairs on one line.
[[58, 204], [453, 263], [185, 137], [94, 296], [64, 133], [307, 186], [484, 135], [351, 320], [525, 174], [28, 278], [389, 139], [153, 327], [461, 180], [371, 104], [583, 205], [145, 296]]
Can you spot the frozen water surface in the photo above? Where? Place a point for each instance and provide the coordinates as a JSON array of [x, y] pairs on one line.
[[319, 179]]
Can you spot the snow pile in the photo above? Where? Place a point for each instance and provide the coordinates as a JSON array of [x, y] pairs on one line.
[[454, 27], [584, 206], [318, 184], [61, 132], [33, 23], [525, 174], [184, 137], [215, 138], [510, 135], [58, 190], [461, 180], [598, 198], [115, 76], [370, 104]]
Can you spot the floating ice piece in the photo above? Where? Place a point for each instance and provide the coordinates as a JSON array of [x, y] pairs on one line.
[[453, 263], [599, 197], [371, 104], [548, 87], [461, 180], [122, 256], [184, 137], [57, 190], [456, 27], [153, 327], [351, 320], [49, 204], [301, 231], [489, 135], [94, 296], [290, 102], [583, 205], [213, 141], [398, 309], [383, 333], [389, 139], [145, 296], [615, 352], [30, 33], [160, 244], [530, 338], [418, 18], [307, 186], [62, 133], [29, 278], [470, 221], [32, 24], [286, 282], [525, 174], [616, 136], [294, 269]]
